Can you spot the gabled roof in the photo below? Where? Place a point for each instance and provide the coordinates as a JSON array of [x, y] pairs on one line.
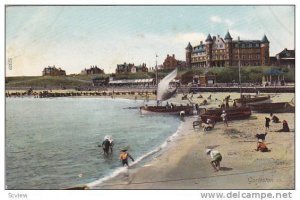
[[287, 53]]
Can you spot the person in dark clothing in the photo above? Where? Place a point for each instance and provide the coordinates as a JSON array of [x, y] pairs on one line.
[[285, 127], [275, 119], [124, 157], [267, 124], [106, 145]]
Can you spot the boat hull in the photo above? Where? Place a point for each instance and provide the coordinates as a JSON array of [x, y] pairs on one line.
[[164, 110], [252, 100], [232, 114], [279, 107]]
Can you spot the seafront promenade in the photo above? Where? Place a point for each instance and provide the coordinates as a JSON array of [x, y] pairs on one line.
[[138, 90]]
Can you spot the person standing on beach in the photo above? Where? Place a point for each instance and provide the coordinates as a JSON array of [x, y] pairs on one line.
[[216, 158], [124, 157], [267, 124], [225, 118]]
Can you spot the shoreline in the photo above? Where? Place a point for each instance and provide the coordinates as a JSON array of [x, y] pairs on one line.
[[139, 162], [184, 164]]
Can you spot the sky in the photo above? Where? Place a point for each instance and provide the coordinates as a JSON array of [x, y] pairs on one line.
[[77, 37]]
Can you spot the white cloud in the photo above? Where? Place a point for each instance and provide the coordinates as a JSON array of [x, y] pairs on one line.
[[215, 19]]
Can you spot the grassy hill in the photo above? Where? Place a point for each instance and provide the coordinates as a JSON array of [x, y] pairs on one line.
[[47, 81]]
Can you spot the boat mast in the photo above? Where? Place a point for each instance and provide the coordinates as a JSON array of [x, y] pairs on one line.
[[240, 81], [156, 79]]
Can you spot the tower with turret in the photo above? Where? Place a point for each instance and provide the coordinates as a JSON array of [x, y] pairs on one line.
[[228, 47], [264, 54], [188, 55], [208, 47]]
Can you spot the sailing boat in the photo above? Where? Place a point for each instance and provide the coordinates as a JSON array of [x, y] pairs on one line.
[[164, 92]]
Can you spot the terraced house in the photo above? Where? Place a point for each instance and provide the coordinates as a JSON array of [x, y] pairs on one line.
[[219, 52]]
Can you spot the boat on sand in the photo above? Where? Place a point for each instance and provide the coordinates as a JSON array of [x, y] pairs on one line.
[[233, 113], [164, 92], [278, 107]]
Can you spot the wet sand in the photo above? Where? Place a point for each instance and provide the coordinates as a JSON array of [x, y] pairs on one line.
[[185, 165]]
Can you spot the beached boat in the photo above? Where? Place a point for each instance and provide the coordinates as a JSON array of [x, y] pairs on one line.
[[167, 110], [164, 92], [252, 100], [279, 107], [233, 113]]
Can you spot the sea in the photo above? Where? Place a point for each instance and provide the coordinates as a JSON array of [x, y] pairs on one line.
[[52, 143]]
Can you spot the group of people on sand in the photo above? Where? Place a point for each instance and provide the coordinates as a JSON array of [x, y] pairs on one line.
[[261, 145], [275, 119], [107, 146], [216, 156]]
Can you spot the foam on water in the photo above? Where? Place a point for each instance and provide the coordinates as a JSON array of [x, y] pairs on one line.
[[121, 170]]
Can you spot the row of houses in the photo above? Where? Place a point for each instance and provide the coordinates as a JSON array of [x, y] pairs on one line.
[[131, 68], [283, 58], [54, 71]]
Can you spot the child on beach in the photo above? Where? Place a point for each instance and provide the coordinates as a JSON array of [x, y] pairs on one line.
[[216, 158], [261, 146], [225, 118], [124, 157]]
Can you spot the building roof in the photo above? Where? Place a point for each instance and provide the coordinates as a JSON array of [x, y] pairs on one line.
[[131, 81], [189, 46], [248, 43], [228, 36], [199, 48], [265, 39], [286, 54], [208, 38]]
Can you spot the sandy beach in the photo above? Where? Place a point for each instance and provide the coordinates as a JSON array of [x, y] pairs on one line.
[[183, 164]]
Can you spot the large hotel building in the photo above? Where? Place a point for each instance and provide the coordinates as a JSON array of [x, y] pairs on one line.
[[219, 52]]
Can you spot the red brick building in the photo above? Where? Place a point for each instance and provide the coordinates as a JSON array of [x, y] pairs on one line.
[[219, 52], [171, 62], [131, 68], [53, 71], [92, 70]]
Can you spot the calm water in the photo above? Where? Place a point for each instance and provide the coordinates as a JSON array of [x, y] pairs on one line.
[[53, 143]]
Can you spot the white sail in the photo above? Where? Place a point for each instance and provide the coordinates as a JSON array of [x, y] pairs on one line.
[[163, 91]]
